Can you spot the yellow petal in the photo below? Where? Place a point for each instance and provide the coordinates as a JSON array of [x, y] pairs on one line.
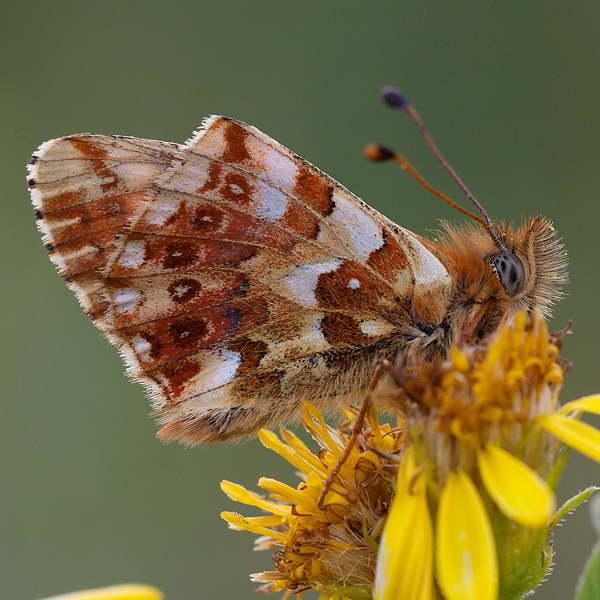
[[373, 420], [269, 521], [589, 404], [241, 494], [581, 436], [518, 491], [128, 591], [405, 558], [300, 447], [466, 563], [288, 493], [460, 360], [270, 440], [326, 436], [372, 457], [314, 488], [238, 522]]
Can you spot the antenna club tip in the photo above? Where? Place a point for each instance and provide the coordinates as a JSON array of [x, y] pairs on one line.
[[394, 97], [377, 153]]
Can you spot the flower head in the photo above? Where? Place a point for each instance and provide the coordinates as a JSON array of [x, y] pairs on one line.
[[484, 429], [456, 502], [477, 412]]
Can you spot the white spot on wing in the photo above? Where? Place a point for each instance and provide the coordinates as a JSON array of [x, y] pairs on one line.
[[311, 336], [300, 285], [221, 366], [133, 254], [429, 271], [125, 300], [272, 203], [209, 388], [361, 232], [353, 284], [141, 348], [58, 226], [277, 168], [160, 210], [308, 340], [85, 252], [376, 327]]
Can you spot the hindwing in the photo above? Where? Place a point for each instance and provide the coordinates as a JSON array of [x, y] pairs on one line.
[[236, 279]]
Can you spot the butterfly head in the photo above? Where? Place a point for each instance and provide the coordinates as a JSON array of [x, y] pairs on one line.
[[497, 266], [533, 269], [526, 273]]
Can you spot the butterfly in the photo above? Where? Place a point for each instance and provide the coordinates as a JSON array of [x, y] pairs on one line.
[[237, 280]]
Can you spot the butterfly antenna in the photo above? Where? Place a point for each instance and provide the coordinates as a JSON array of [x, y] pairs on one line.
[[378, 153], [394, 98]]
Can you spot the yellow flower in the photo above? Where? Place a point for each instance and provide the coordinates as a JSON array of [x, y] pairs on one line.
[[128, 591], [331, 550], [484, 430], [408, 525], [456, 502]]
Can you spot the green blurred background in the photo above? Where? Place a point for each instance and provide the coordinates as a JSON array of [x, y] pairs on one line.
[[510, 92]]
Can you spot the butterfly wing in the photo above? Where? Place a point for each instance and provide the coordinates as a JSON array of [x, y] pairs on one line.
[[235, 278], [84, 190]]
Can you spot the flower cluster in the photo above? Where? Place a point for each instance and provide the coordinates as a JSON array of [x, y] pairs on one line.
[[333, 549], [456, 501]]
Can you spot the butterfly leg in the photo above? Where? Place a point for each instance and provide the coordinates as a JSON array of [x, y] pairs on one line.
[[384, 367], [479, 316]]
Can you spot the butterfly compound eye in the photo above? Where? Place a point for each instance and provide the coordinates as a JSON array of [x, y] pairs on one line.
[[510, 272]]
